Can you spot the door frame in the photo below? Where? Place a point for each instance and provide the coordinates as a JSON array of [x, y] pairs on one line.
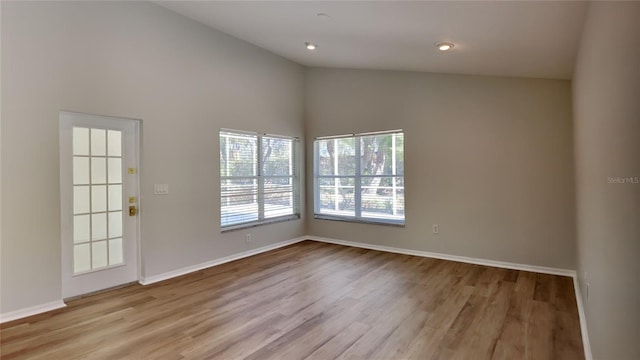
[[66, 228]]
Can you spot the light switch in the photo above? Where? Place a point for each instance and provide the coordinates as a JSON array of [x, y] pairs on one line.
[[160, 189]]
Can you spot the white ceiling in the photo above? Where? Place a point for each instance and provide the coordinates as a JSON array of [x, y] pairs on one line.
[[506, 38]]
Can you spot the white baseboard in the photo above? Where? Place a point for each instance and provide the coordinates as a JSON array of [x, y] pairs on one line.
[[464, 259], [38, 309], [500, 264], [34, 310], [189, 269], [583, 320], [30, 311]]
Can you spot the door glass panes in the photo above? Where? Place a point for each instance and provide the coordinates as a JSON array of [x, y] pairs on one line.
[[115, 197], [115, 224], [80, 141], [81, 228], [98, 170], [98, 142], [114, 139], [99, 254], [98, 226], [115, 170], [97, 199], [81, 199], [81, 258], [80, 170], [115, 252]]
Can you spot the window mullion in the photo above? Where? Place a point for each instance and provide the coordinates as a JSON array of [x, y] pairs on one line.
[[316, 173], [260, 180], [357, 182], [292, 171], [336, 181], [394, 200]]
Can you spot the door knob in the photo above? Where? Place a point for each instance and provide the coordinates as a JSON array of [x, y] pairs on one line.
[[133, 210]]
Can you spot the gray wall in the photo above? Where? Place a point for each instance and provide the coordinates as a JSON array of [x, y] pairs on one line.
[[607, 130], [488, 159], [134, 60]]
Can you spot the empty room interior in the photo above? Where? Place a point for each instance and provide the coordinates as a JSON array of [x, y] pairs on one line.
[[320, 180]]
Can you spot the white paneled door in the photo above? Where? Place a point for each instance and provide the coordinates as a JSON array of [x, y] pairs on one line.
[[99, 202]]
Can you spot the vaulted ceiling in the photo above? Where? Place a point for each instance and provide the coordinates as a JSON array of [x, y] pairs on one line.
[[505, 38]]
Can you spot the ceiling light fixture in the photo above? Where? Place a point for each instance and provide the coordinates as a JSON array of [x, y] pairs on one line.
[[444, 46], [310, 46]]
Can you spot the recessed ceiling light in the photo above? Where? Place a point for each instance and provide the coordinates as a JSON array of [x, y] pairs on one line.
[[444, 46], [310, 46]]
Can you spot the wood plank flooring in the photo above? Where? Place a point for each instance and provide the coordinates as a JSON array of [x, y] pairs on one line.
[[315, 301]]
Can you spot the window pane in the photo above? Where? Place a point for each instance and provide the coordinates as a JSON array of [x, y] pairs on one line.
[[276, 157], [337, 196], [376, 155], [238, 201], [380, 182], [278, 197], [238, 155], [98, 142], [399, 145], [256, 184], [336, 156], [80, 141], [325, 156], [399, 204], [378, 199]]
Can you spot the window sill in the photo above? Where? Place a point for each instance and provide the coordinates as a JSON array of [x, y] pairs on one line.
[[259, 223], [361, 221]]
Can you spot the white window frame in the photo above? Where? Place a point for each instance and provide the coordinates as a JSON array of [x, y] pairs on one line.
[[293, 161], [357, 183]]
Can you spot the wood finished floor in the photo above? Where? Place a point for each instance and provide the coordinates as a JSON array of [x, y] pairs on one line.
[[315, 301]]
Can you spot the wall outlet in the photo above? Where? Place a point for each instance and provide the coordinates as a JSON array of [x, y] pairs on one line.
[[436, 230], [247, 238]]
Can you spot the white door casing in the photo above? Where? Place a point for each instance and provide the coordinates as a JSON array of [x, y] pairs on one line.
[[99, 181]]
